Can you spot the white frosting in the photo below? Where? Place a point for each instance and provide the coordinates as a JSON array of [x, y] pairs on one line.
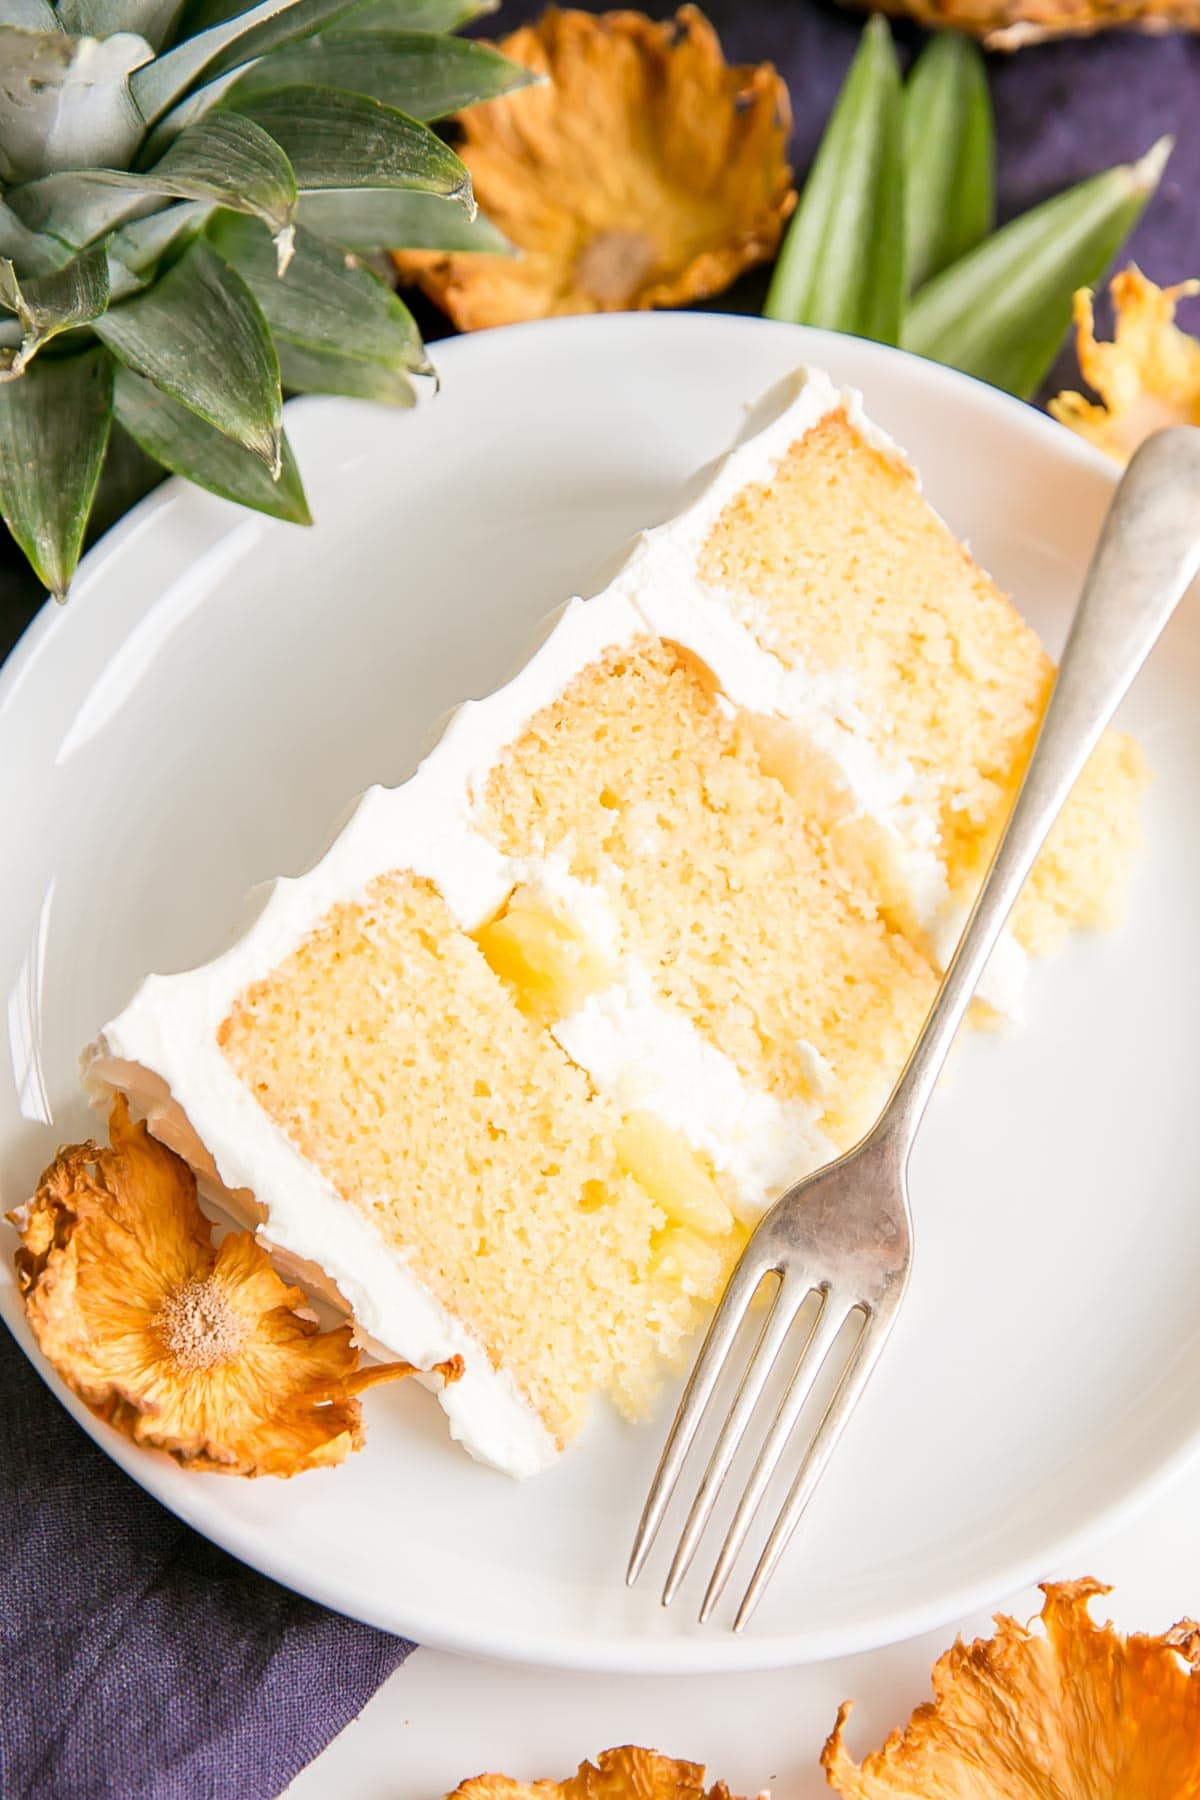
[[646, 1056], [549, 877], [478, 732], [163, 1048]]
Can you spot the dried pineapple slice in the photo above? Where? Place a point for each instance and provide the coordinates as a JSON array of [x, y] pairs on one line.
[[191, 1349], [1013, 24], [645, 171], [624, 1774], [1076, 1711], [1147, 377]]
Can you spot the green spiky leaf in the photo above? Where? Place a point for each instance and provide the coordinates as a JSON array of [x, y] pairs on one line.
[[230, 42], [227, 44], [46, 305], [155, 20], [413, 15], [182, 442], [32, 15], [842, 262], [224, 158], [370, 219], [141, 245], [67, 101], [291, 27], [230, 53], [129, 169], [394, 15], [34, 252], [339, 140], [328, 302], [230, 159], [949, 157], [420, 74], [1001, 313], [54, 423], [200, 336], [308, 371], [190, 110], [77, 206]]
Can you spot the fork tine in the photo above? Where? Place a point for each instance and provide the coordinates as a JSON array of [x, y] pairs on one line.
[[829, 1322], [775, 1328], [861, 1361], [744, 1283]]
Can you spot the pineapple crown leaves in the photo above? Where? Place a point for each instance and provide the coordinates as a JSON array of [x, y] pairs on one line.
[[187, 191]]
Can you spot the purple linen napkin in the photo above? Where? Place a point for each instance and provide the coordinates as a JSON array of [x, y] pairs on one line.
[[140, 1663]]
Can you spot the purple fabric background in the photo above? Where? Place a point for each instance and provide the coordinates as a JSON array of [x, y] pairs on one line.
[[140, 1663]]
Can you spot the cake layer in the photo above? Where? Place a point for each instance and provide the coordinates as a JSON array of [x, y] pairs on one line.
[[647, 936], [397, 1063], [741, 913], [834, 561]]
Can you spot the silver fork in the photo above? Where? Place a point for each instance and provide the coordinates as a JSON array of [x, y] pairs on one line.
[[845, 1233]]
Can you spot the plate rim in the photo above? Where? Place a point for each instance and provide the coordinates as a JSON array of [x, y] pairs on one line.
[[719, 1651]]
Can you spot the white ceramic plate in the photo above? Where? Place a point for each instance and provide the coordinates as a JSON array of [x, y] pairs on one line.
[[217, 689]]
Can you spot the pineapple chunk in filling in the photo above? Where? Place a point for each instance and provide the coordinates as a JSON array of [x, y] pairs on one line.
[[678, 1177], [579, 1246], [545, 958]]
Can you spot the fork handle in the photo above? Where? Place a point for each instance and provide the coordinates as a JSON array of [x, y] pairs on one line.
[[1146, 557]]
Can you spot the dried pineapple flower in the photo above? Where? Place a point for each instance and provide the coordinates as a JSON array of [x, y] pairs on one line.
[[624, 1774], [1076, 1711], [1148, 376], [1011, 24], [644, 172], [193, 1350]]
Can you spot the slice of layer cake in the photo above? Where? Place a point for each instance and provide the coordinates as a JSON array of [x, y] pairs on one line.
[[512, 1071]]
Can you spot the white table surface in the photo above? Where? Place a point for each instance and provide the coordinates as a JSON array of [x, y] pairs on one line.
[[441, 1718]]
